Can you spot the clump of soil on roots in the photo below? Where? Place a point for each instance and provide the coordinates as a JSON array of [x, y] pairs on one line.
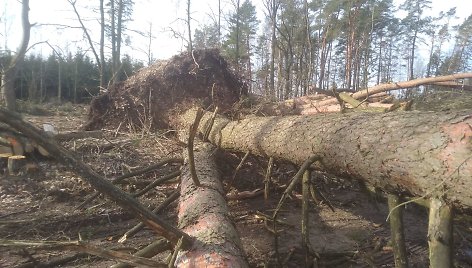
[[155, 96]]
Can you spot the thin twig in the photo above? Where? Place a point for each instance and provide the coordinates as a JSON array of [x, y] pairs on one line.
[[174, 254], [305, 216], [313, 192], [138, 227], [295, 180], [241, 163], [210, 125], [82, 247], [191, 138], [157, 182], [132, 174], [158, 246], [267, 178]]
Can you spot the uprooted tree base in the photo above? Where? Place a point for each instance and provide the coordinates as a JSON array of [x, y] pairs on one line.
[[152, 97]]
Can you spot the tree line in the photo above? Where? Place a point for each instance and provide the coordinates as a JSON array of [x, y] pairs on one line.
[[64, 78], [298, 48], [305, 46], [67, 76]]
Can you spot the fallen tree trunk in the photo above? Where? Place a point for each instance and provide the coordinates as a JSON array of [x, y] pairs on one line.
[[415, 153], [452, 84], [203, 214], [399, 85]]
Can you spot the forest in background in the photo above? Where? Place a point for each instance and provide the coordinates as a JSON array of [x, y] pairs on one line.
[[299, 47]]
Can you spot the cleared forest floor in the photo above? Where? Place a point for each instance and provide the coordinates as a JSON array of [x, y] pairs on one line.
[[39, 204]]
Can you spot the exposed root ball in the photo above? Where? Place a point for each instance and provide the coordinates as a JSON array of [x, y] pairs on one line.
[[155, 95]]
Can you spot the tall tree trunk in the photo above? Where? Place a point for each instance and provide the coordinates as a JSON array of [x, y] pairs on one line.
[[59, 80], [113, 40], [308, 58], [101, 60], [379, 65], [189, 29], [249, 64], [417, 153], [431, 51], [273, 18], [238, 35], [412, 57], [219, 23], [9, 72], [76, 74], [287, 75], [119, 31]]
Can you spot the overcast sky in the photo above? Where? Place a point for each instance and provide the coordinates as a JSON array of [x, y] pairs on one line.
[[161, 13]]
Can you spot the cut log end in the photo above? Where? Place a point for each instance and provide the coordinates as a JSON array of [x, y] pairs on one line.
[[15, 163]]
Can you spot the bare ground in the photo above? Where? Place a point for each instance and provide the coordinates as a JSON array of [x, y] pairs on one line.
[[39, 204]]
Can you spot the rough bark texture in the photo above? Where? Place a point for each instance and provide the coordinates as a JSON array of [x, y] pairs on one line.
[[440, 234], [8, 73], [203, 214], [416, 153], [399, 85], [397, 232]]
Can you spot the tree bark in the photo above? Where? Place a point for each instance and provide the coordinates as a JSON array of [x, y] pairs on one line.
[[8, 74], [414, 153], [400, 85], [101, 60], [440, 234], [397, 232], [203, 214]]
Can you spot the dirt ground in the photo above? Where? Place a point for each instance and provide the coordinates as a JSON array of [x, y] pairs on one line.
[[39, 204]]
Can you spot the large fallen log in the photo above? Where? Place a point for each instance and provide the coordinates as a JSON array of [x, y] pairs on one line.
[[414, 153], [399, 85], [323, 101], [203, 214]]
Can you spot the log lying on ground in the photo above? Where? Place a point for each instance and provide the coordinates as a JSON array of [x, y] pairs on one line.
[[399, 85], [326, 102], [453, 84], [415, 153], [203, 214]]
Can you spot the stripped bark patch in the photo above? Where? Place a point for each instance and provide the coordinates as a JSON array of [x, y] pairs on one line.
[[204, 215]]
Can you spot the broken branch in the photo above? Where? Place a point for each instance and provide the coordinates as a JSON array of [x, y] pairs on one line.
[[82, 247], [191, 138], [102, 185]]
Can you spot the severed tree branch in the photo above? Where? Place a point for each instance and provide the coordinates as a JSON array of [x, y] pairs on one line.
[[156, 247], [138, 227], [82, 247], [132, 174], [86, 33], [191, 137], [99, 183]]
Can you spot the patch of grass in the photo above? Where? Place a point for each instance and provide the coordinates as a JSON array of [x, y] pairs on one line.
[[31, 108], [358, 235]]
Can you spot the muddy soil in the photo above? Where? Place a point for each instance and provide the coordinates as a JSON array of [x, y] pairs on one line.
[[39, 204]]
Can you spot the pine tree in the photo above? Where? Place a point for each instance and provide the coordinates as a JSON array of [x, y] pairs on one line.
[[415, 23], [238, 45]]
